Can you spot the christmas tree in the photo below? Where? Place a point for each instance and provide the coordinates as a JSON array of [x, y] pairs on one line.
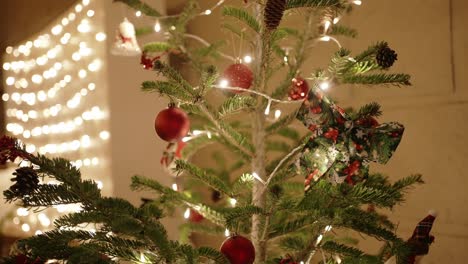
[[260, 200]]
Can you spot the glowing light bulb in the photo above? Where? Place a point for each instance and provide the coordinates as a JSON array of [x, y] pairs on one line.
[[224, 83], [232, 201], [175, 187], [38, 232], [227, 233], [138, 13], [187, 213], [90, 13], [85, 141], [65, 21], [157, 26], [100, 36], [208, 12], [30, 148], [5, 97], [277, 113], [324, 85], [25, 227], [91, 86], [104, 135], [357, 2], [327, 25], [78, 8], [325, 38], [82, 73], [85, 2], [56, 29], [247, 59], [336, 20], [10, 80], [84, 26]]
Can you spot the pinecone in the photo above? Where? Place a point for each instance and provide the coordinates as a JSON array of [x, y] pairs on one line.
[[386, 56], [274, 10], [26, 181]]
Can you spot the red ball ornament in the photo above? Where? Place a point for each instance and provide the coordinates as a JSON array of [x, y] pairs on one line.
[[238, 75], [238, 250], [299, 89], [172, 124], [195, 216]]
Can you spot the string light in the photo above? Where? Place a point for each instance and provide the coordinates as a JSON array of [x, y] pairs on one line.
[[324, 85], [157, 26], [357, 2], [247, 59], [187, 213], [138, 13]]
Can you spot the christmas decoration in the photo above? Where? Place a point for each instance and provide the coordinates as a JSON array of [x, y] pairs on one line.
[[195, 216], [26, 180], [420, 241], [22, 259], [262, 199], [216, 196], [172, 124], [385, 56], [238, 75], [147, 62], [421, 238], [340, 148], [125, 43], [274, 10], [299, 89], [238, 249]]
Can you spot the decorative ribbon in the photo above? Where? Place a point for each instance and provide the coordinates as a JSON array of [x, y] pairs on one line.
[[341, 148]]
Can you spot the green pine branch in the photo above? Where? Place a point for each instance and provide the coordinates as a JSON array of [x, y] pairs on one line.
[[243, 16], [380, 78], [311, 3]]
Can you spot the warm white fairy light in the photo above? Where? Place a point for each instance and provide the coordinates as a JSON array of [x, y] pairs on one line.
[[247, 59], [277, 114], [157, 26], [25, 227], [38, 232], [208, 12], [100, 36], [90, 13], [227, 233], [233, 202], [357, 2], [336, 20], [223, 83], [187, 213], [324, 85], [104, 135], [22, 211], [175, 187], [138, 13], [326, 25]]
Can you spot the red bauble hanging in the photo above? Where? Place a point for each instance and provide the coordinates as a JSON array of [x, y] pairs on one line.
[[195, 216], [238, 250], [299, 89], [238, 75], [172, 124]]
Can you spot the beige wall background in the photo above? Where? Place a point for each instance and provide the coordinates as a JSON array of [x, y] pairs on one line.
[[432, 42]]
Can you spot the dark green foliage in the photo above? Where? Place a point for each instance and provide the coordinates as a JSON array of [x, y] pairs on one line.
[[339, 30], [310, 3], [243, 16], [156, 47], [381, 78]]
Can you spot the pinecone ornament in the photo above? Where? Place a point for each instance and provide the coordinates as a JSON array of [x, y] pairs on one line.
[[274, 10], [386, 56], [26, 180]]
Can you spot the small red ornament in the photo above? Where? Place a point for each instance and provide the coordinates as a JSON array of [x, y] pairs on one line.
[[147, 61], [331, 134], [238, 75], [368, 122], [172, 124], [299, 89], [238, 250], [195, 216]]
